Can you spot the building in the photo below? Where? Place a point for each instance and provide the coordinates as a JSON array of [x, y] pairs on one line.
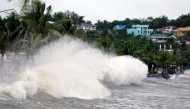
[[160, 38], [167, 29], [181, 31], [86, 26], [187, 40], [119, 27], [140, 30]]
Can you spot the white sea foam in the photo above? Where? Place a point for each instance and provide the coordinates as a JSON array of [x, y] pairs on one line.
[[172, 76], [187, 73], [72, 68]]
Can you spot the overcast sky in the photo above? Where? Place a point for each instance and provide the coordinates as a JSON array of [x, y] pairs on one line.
[[110, 10]]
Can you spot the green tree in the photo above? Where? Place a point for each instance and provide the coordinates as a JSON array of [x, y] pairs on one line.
[[165, 59], [65, 26], [130, 46], [81, 34], [183, 20], [36, 18], [10, 30], [23, 3], [187, 35], [39, 29], [184, 55], [106, 43], [77, 19], [174, 45], [159, 22], [57, 16]]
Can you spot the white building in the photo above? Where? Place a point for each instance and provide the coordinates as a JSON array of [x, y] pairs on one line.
[[86, 26], [160, 38], [167, 29]]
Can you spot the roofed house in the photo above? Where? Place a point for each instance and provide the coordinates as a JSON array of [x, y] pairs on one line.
[[140, 30], [161, 39], [181, 31], [187, 40], [86, 26], [167, 29], [119, 27]]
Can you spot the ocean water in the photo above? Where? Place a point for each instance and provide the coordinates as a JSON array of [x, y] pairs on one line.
[[71, 74]]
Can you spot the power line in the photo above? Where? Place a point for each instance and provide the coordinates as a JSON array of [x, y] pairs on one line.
[[5, 11]]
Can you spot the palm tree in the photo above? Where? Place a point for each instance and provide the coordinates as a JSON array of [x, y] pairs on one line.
[[74, 16], [23, 3], [165, 59], [147, 53], [184, 55], [65, 26], [81, 34], [36, 17], [66, 23], [11, 29], [3, 38], [39, 30], [106, 42], [130, 46]]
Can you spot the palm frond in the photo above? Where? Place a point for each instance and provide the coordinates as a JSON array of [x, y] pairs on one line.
[[36, 40], [57, 34]]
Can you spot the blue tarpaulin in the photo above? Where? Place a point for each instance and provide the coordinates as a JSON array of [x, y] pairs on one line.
[[187, 67]]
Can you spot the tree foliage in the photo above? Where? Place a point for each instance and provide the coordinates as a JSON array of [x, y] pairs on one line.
[[38, 26]]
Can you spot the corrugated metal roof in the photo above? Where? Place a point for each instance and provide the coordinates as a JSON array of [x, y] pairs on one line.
[[159, 36]]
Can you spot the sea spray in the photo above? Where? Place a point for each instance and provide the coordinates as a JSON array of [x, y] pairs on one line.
[[124, 70], [187, 72], [72, 68]]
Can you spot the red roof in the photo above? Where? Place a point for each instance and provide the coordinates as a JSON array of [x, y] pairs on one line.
[[167, 27]]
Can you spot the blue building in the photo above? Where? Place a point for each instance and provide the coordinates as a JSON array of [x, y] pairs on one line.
[[119, 27], [140, 30]]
